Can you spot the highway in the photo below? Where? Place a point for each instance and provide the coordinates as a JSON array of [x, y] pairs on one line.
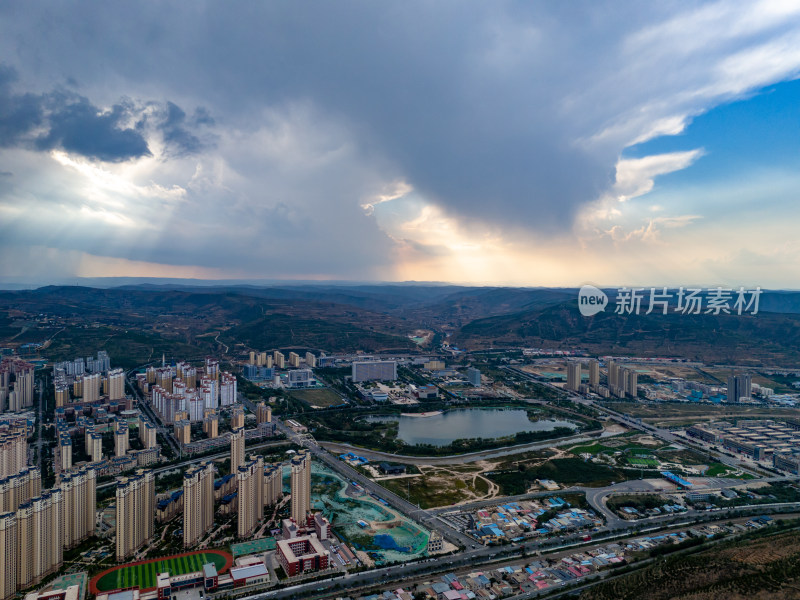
[[410, 510], [349, 474], [194, 461], [458, 459], [481, 558], [144, 407]]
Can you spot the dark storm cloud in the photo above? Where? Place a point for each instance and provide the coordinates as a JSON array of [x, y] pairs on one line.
[[72, 123], [459, 99], [176, 136], [202, 117], [80, 127], [483, 107], [5, 181], [19, 113], [64, 120]]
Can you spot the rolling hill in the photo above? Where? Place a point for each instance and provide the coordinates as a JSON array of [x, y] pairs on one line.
[[726, 338]]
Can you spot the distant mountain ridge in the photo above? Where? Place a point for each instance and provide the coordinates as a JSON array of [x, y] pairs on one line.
[[383, 317]]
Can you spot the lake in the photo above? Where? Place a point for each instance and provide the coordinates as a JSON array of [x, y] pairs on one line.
[[441, 430]]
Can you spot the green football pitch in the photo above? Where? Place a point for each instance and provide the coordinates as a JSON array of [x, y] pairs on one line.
[[143, 575], [643, 462]]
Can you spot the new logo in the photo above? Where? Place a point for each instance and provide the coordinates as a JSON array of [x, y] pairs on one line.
[[591, 300]]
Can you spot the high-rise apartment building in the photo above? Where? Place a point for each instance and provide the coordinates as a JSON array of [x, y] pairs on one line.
[[65, 452], [183, 431], [79, 500], [273, 484], [121, 439], [594, 373], [39, 537], [147, 433], [195, 407], [21, 396], [630, 382], [212, 373], [164, 376], [263, 413], [198, 503], [13, 452], [237, 449], [237, 417], [135, 512], [279, 360], [211, 426], [294, 359], [34, 533], [95, 447], [19, 488], [301, 486], [250, 482], [90, 387], [311, 360], [9, 545], [574, 376], [189, 376], [227, 389], [116, 384], [613, 376], [62, 394]]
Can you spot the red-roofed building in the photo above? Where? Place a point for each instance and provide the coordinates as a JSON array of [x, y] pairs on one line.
[[302, 554]]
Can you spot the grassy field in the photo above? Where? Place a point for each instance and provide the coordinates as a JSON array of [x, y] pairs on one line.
[[143, 575], [643, 462], [720, 470], [438, 487], [567, 471], [319, 397]]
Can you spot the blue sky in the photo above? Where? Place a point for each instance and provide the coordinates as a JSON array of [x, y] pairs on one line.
[[756, 133], [493, 143]]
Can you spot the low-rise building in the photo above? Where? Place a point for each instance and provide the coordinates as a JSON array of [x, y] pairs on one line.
[[302, 554]]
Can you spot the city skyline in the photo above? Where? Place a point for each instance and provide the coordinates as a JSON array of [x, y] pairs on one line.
[[493, 144]]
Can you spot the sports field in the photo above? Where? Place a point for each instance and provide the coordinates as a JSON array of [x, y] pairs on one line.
[[143, 574], [253, 547], [643, 462]]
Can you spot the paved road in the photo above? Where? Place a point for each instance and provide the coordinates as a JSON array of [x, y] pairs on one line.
[[471, 559], [459, 459], [410, 510], [197, 460], [145, 407]]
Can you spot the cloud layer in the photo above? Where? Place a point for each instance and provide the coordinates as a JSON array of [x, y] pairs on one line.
[[364, 140]]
